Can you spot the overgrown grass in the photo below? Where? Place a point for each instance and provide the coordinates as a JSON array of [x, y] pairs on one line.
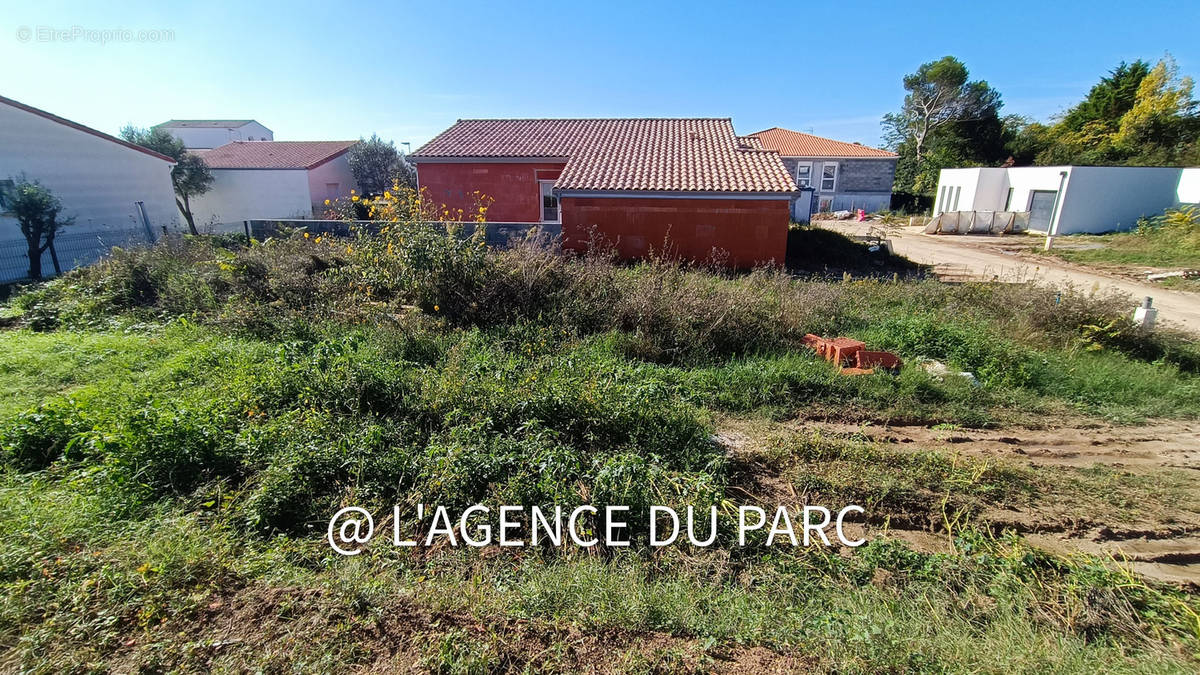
[[179, 423], [183, 591], [1169, 241]]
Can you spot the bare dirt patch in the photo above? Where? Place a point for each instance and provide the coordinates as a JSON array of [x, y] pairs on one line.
[[264, 627], [1162, 443], [1126, 493]]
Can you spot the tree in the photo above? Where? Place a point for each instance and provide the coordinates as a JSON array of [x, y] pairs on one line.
[[190, 177], [36, 209], [1108, 100], [1163, 117], [938, 94], [946, 120], [1135, 115], [377, 166], [1025, 139]]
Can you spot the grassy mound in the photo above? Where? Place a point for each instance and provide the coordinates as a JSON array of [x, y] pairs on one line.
[[179, 423]]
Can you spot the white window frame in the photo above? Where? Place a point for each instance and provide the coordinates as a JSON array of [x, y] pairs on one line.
[[807, 180], [542, 204], [834, 166]]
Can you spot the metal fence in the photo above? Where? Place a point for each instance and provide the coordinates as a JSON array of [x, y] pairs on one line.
[[69, 250], [499, 235]]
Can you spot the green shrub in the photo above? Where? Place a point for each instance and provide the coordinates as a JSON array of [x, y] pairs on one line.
[[37, 438]]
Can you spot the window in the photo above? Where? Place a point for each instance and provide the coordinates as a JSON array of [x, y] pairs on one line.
[[803, 174], [549, 201], [6, 188], [1008, 200], [957, 192], [828, 177], [941, 200]]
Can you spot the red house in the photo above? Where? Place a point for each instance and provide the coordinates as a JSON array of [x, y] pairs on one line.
[[690, 185]]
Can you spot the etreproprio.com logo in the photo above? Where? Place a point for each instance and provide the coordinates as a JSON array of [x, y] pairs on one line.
[[100, 36]]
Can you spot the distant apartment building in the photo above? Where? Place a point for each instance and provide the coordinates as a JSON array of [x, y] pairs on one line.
[[209, 134]]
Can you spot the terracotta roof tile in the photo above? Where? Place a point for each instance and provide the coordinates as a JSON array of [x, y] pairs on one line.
[[790, 143], [273, 154], [651, 154]]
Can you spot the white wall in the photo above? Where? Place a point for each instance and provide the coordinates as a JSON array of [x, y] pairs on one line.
[[215, 137], [1024, 180], [1189, 187], [1103, 199], [320, 178], [247, 194], [1095, 199], [97, 180], [962, 182]]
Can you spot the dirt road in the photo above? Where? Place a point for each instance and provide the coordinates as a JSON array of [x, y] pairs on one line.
[[982, 258]]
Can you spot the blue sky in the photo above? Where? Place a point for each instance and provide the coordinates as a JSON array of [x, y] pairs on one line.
[[406, 70]]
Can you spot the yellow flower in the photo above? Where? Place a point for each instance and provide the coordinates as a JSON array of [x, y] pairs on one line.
[[326, 202], [436, 308], [306, 235], [354, 198]]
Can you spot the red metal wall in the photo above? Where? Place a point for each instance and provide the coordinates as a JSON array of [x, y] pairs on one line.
[[751, 231], [512, 186]]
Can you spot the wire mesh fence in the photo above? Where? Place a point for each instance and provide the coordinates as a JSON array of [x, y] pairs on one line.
[[498, 235], [69, 250]]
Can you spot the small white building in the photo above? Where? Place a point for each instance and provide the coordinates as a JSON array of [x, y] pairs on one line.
[[1071, 199], [209, 134], [118, 193], [272, 179]]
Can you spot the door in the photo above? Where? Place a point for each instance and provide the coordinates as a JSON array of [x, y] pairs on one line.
[[1041, 209], [802, 207]]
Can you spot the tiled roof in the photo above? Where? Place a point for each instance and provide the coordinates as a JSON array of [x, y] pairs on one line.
[[273, 154], [790, 143], [77, 126], [750, 142], [693, 155], [213, 124]]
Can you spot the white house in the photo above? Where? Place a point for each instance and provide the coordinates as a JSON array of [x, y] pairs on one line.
[[117, 192], [272, 179], [1069, 199], [209, 134]]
